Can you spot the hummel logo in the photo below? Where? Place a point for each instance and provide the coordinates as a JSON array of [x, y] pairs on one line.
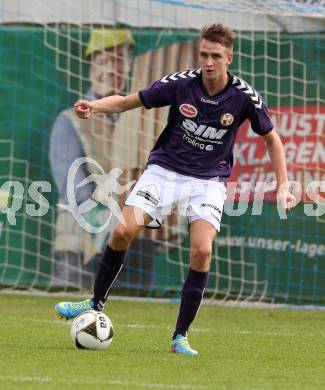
[[209, 101]]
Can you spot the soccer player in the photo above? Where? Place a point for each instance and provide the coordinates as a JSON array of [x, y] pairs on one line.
[[207, 106]]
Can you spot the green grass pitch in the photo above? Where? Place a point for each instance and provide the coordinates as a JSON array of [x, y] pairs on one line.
[[240, 349]]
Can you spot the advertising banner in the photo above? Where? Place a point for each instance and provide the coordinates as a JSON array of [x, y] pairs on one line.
[[302, 130], [42, 246]]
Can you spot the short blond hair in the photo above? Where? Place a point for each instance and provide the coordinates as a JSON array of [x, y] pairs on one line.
[[219, 33]]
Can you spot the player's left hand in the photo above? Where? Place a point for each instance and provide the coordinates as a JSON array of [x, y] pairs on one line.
[[286, 199]]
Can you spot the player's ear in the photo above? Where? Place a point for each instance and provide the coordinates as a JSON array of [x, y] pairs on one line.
[[230, 57]]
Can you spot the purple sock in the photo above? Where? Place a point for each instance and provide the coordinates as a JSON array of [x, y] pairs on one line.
[[109, 268], [192, 294]]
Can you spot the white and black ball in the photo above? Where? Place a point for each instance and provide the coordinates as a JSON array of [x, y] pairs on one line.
[[92, 330]]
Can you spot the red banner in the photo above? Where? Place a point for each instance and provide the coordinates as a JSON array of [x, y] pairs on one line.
[[302, 131]]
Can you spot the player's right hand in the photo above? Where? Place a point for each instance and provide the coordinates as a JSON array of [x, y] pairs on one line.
[[83, 108]]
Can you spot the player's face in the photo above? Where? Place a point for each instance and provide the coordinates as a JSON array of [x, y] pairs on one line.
[[214, 59], [109, 70]]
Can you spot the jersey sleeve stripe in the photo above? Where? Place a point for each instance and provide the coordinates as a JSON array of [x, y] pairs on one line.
[[181, 75], [251, 92]]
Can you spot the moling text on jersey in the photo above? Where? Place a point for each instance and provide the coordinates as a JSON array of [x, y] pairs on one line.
[[203, 134]]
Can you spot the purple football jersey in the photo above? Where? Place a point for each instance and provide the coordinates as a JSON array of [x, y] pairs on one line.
[[199, 137]]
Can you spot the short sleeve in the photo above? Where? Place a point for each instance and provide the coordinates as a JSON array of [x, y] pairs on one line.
[[259, 116], [158, 94]]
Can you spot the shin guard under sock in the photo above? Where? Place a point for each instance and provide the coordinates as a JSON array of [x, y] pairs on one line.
[[109, 268], [192, 294]]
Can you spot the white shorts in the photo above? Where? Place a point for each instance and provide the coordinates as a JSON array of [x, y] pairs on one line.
[[159, 190]]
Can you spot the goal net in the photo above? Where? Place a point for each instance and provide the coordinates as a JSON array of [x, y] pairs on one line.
[[61, 178]]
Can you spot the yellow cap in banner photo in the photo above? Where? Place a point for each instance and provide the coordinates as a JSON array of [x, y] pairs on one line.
[[4, 198], [101, 39]]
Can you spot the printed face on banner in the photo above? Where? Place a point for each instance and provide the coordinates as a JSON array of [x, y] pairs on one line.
[[109, 70]]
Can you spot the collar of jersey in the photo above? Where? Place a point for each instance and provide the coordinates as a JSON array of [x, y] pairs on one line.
[[229, 83]]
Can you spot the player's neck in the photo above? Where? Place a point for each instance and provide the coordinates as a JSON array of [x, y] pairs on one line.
[[215, 86]]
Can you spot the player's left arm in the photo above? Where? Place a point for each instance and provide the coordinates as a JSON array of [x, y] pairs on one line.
[[275, 148]]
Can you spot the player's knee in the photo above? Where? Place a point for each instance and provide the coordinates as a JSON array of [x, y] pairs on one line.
[[201, 253], [121, 237], [200, 258]]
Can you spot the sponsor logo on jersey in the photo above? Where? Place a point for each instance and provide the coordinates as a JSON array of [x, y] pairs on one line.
[[226, 119], [188, 110], [208, 101], [203, 131], [193, 142]]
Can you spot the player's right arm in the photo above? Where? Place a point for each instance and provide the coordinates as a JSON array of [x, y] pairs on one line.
[[159, 94], [109, 104]]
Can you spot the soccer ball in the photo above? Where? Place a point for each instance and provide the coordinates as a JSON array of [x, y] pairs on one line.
[[92, 330]]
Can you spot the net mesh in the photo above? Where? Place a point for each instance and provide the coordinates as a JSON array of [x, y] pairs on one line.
[[54, 53]]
